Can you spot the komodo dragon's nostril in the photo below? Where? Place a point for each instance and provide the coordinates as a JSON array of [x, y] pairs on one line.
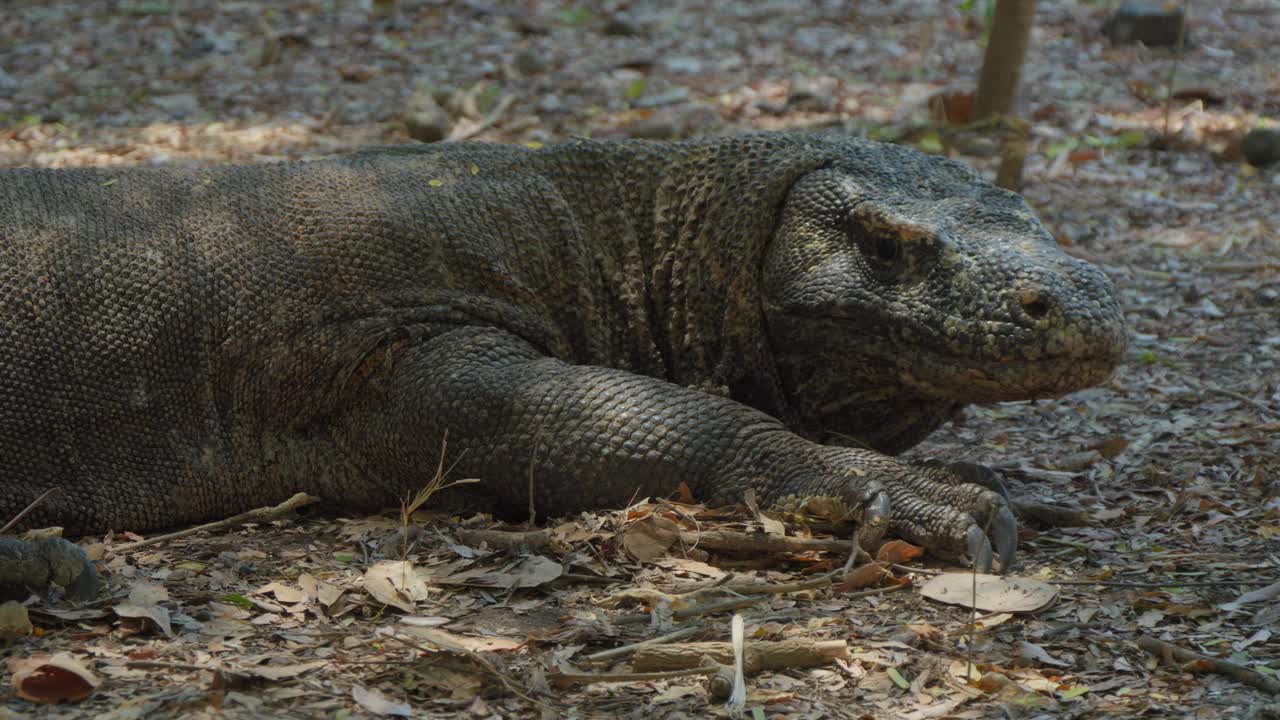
[[1034, 304]]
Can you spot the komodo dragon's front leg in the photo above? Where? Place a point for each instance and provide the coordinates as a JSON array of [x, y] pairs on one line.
[[605, 437], [590, 437]]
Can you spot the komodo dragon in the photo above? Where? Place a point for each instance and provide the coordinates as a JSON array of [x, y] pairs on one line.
[[604, 320]]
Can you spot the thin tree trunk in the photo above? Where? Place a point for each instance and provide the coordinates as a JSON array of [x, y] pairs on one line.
[[1002, 62]]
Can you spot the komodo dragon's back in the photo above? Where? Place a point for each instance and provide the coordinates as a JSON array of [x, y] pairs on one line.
[[178, 344]]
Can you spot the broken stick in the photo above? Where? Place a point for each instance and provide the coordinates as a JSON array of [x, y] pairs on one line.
[[1195, 662], [263, 514], [760, 655]]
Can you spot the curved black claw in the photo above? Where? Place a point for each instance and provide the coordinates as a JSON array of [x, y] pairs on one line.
[[979, 549], [875, 520], [877, 512], [1004, 531]]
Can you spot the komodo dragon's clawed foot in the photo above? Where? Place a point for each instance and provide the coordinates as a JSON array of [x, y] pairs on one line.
[[957, 509], [27, 567]]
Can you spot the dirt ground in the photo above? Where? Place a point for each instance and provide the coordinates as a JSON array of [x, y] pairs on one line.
[[1176, 460]]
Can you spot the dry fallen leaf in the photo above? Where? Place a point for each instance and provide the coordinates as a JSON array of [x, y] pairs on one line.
[[143, 605], [377, 703], [994, 592], [535, 570], [453, 641], [283, 672], [898, 551], [396, 583], [649, 537], [52, 678], [283, 593], [869, 575]]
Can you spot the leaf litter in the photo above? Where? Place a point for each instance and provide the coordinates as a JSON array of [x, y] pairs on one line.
[[1174, 462]]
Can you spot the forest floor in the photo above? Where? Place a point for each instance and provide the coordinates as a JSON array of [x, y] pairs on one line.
[[1176, 460]]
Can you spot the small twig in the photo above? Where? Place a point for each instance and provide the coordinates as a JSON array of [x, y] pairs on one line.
[[919, 570], [487, 122], [584, 578], [760, 654], [507, 539], [1173, 70], [29, 508], [692, 612], [1195, 662], [874, 591], [1174, 583], [1242, 398], [564, 680], [263, 514], [1240, 267], [622, 650], [726, 540], [478, 659], [533, 464], [973, 604]]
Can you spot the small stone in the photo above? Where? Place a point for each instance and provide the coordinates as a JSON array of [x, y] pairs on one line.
[[1153, 24], [812, 94], [529, 62], [551, 104], [698, 118], [620, 25], [357, 73], [179, 105], [1261, 146], [425, 120], [682, 65], [652, 128]]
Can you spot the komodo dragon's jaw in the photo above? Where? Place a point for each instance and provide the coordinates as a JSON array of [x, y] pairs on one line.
[[952, 294]]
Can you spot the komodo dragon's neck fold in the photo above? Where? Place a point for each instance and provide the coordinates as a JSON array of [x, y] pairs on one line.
[[704, 228]]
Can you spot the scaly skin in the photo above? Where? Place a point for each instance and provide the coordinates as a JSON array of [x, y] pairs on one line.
[[183, 344]]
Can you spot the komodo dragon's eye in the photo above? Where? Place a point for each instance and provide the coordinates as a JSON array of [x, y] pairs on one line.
[[886, 248]]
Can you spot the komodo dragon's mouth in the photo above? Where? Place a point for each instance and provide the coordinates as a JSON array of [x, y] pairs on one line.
[[1022, 365]]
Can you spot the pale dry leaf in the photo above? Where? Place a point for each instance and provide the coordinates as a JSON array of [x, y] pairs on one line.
[[55, 678], [147, 593], [157, 615], [284, 672], [771, 526], [995, 593], [453, 641], [1265, 593], [396, 583], [1037, 653], [649, 537], [650, 597], [375, 702], [283, 593], [425, 620], [535, 570]]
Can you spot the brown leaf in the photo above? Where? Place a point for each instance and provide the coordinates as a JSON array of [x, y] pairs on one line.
[[866, 576], [52, 678], [649, 537], [898, 551], [1110, 447]]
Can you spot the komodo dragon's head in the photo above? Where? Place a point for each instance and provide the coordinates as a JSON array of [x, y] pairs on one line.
[[906, 281]]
